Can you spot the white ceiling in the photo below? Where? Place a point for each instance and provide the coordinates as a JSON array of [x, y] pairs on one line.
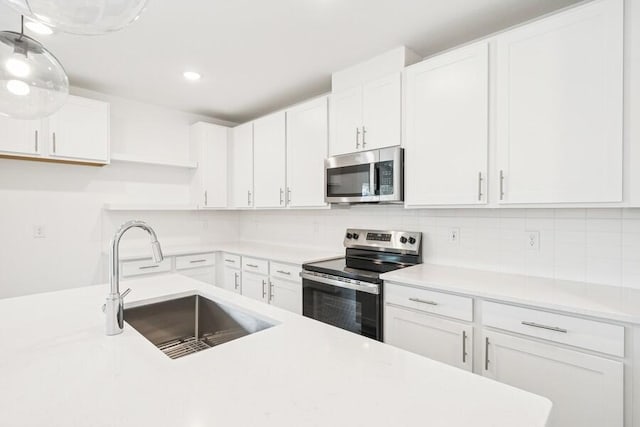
[[260, 55]]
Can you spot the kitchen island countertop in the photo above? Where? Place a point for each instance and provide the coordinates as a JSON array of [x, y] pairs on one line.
[[57, 368]]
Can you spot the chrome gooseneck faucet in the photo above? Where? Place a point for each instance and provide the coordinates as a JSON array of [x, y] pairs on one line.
[[114, 307]]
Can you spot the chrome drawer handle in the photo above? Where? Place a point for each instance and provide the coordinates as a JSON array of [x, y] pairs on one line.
[[148, 266], [423, 301], [197, 260], [230, 260], [550, 328], [252, 265], [288, 273]]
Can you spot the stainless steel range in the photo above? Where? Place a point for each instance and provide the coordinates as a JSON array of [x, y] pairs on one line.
[[347, 292]]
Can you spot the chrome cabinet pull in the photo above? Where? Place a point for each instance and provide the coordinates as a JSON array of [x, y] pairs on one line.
[[36, 141], [54, 142], [479, 186], [146, 267], [486, 353], [264, 289], [233, 261], [206, 200], [288, 273], [236, 276], [195, 261], [281, 196], [364, 133], [248, 197], [464, 346], [501, 185], [271, 293], [252, 265], [423, 301], [550, 328], [288, 196], [357, 137]]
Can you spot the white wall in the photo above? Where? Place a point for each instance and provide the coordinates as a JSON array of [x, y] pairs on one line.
[[68, 201], [595, 245]]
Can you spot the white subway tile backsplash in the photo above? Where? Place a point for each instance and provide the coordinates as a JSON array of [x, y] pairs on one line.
[[599, 245]]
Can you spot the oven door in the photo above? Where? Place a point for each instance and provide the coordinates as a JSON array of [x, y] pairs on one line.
[[351, 178], [355, 308]]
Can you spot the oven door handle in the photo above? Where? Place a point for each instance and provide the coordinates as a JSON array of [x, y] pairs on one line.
[[370, 288]]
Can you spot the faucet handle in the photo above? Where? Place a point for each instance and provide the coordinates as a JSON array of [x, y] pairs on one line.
[[125, 293]]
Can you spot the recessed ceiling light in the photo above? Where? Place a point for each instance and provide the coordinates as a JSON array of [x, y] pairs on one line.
[[38, 28], [191, 75]]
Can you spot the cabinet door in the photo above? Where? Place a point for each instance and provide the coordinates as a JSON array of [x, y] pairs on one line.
[[20, 136], [436, 338], [210, 179], [586, 390], [345, 111], [381, 117], [241, 153], [286, 294], [560, 108], [80, 130], [203, 274], [269, 153], [307, 139], [447, 128], [255, 286], [232, 280]]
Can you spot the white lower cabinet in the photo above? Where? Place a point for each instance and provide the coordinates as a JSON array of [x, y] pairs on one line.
[[586, 390], [255, 286], [439, 339], [202, 274], [232, 279], [286, 294]]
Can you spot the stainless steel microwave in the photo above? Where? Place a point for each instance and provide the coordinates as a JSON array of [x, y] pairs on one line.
[[372, 176]]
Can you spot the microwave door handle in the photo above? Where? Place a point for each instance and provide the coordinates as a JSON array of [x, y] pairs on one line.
[[373, 189]]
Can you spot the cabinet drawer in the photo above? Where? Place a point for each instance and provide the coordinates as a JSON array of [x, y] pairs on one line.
[[260, 266], [589, 334], [203, 274], [441, 303], [194, 261], [285, 271], [145, 266], [231, 260]]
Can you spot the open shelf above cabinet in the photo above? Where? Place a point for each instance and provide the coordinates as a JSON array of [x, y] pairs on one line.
[[128, 158]]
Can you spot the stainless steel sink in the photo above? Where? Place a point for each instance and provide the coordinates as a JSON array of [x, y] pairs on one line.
[[190, 324]]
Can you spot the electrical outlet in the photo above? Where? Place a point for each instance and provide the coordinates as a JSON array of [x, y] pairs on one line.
[[533, 240], [454, 236], [38, 232]]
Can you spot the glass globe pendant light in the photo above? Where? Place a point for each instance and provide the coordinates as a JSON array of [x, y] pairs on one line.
[[85, 17], [33, 83]]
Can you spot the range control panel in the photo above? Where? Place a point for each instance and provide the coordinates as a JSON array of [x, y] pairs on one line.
[[396, 241]]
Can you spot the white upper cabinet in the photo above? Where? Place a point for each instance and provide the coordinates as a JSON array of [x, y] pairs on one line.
[[20, 137], [241, 160], [560, 107], [381, 112], [346, 120], [269, 153], [209, 144], [367, 116], [80, 130], [446, 101], [307, 140]]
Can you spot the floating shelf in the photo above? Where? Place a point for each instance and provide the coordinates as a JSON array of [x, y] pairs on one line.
[[148, 207], [119, 157]]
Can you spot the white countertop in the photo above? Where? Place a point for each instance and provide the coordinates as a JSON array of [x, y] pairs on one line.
[[286, 254], [607, 302], [57, 368]]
